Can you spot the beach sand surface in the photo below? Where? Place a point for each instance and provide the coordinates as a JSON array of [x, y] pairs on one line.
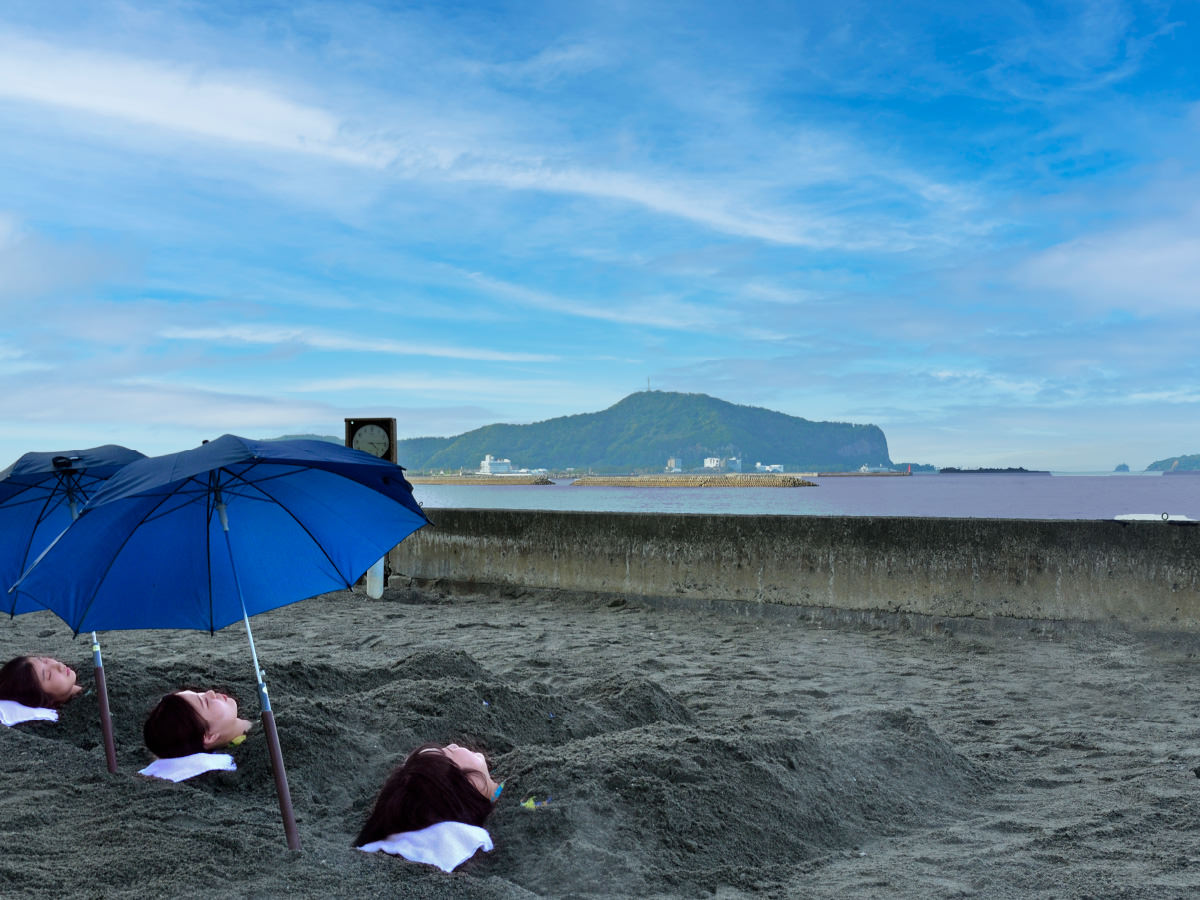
[[685, 753]]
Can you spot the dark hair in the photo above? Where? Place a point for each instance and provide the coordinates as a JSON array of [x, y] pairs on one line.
[[19, 682], [174, 728], [427, 788]]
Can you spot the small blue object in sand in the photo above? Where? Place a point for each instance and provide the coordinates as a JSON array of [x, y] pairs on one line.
[[534, 803]]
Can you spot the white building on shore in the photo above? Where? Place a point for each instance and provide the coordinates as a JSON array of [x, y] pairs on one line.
[[492, 466]]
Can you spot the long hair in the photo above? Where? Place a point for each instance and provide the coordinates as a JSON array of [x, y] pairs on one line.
[[173, 728], [425, 789], [19, 682]]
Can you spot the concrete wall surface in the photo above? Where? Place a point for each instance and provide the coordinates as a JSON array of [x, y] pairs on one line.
[[1138, 574]]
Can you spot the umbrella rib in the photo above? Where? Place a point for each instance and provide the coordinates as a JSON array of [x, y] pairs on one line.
[[258, 486], [111, 561], [208, 554]]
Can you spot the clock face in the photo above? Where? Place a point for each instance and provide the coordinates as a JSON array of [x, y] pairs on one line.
[[371, 439]]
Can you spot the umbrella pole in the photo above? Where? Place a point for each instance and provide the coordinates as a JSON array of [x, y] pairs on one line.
[[110, 747], [268, 717]]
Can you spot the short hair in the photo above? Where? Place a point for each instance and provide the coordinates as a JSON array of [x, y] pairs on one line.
[[425, 789], [173, 728], [19, 682]]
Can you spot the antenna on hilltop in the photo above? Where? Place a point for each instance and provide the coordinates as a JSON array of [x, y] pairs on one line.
[[647, 382]]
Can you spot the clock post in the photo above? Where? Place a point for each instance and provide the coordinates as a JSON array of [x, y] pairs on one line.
[[377, 437], [374, 436]]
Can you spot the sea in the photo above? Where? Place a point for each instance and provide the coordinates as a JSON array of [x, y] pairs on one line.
[[960, 495]]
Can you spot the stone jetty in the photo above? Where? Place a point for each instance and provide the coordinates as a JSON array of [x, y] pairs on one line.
[[732, 479]]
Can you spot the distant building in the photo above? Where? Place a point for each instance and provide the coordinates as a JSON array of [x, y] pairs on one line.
[[733, 464], [773, 467], [492, 466], [712, 462], [674, 465]]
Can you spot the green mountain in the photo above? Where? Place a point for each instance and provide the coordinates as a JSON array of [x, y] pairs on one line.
[[642, 431], [1177, 463]]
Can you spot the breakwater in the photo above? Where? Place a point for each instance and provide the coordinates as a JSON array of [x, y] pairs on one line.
[[478, 479], [1141, 575], [728, 480]]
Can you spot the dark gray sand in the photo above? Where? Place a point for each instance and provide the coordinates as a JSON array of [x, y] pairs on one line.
[[686, 754]]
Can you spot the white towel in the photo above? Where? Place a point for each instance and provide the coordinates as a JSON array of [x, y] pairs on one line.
[[181, 768], [14, 713], [446, 845]]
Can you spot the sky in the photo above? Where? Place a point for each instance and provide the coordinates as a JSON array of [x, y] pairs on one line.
[[976, 226]]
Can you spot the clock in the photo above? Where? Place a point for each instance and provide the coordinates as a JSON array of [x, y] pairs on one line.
[[374, 436]]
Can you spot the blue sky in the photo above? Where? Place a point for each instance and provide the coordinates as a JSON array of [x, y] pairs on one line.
[[974, 225]]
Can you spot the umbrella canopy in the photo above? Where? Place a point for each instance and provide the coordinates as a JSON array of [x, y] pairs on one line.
[[203, 538], [149, 549], [39, 496]]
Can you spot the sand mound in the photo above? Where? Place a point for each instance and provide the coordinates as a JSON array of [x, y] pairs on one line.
[[683, 756]]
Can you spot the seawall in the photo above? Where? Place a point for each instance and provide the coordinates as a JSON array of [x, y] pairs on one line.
[[1138, 575]]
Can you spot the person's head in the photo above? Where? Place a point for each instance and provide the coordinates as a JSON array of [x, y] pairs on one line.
[[37, 681], [187, 722], [436, 783]]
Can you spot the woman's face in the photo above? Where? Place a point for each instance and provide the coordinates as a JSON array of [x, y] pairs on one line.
[[474, 766], [56, 678], [219, 712]]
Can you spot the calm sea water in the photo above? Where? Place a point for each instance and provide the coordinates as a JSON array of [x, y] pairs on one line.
[[955, 496]]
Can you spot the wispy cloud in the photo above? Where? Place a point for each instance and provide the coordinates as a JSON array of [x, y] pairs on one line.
[[320, 339], [33, 266], [214, 105], [1147, 269], [244, 109]]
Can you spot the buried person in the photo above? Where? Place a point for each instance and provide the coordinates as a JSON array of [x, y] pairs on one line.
[[432, 807], [37, 683], [188, 722]]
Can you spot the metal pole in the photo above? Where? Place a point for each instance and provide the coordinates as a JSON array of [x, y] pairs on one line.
[[106, 726], [268, 717], [110, 747]]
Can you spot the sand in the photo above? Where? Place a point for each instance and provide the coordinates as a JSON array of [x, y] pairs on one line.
[[687, 753]]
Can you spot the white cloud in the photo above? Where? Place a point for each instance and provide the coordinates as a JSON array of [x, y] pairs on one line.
[[319, 339], [32, 266], [1145, 269], [659, 312], [469, 387], [243, 109], [222, 106]]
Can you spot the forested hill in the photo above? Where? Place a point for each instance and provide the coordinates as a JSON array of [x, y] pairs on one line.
[[1176, 464], [642, 431]]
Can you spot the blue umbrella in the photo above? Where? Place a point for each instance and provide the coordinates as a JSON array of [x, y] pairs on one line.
[[40, 495], [206, 537]]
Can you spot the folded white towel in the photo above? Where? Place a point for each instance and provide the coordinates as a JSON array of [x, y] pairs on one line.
[[14, 713], [181, 768], [446, 845]]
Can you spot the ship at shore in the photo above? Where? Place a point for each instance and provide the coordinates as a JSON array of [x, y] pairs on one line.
[[1019, 470]]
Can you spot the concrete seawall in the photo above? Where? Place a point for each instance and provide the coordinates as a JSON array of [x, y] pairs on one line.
[[1140, 575]]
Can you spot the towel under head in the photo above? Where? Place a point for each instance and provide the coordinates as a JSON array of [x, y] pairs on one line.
[[446, 845], [14, 713], [180, 768]]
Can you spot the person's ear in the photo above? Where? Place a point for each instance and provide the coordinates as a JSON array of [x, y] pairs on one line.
[[212, 739]]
